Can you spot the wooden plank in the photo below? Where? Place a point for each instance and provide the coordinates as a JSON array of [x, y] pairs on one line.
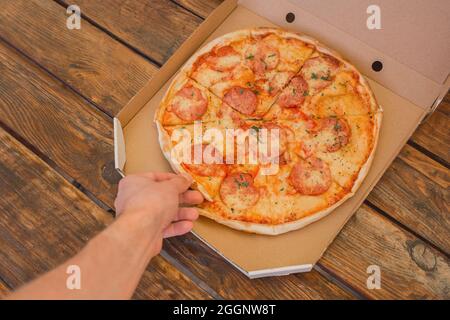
[[58, 123], [155, 28], [200, 7], [433, 135], [410, 269], [102, 69], [45, 220], [230, 283], [414, 191], [4, 290]]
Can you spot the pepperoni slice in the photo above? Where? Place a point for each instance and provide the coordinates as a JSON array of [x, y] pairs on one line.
[[262, 57], [294, 94], [238, 192], [211, 162], [318, 71], [241, 99], [224, 59], [189, 103], [333, 134], [311, 177]]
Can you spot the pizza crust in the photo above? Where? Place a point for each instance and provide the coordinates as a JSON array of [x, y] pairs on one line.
[[268, 229]]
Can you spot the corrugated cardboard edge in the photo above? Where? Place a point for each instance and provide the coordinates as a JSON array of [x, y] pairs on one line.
[[437, 102], [282, 271], [119, 147]]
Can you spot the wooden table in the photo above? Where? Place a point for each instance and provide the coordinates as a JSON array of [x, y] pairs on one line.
[[59, 90]]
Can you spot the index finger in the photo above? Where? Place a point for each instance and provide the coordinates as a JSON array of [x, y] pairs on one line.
[[159, 176]]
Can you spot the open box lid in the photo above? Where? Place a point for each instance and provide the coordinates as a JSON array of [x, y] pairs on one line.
[[405, 93]]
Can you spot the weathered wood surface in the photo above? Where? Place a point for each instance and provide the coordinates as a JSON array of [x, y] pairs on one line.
[[433, 135], [414, 191], [201, 8], [410, 268], [425, 213], [4, 290], [155, 28], [57, 122], [45, 220], [90, 61]]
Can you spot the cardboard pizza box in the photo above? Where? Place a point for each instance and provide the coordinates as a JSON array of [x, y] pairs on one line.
[[414, 79]]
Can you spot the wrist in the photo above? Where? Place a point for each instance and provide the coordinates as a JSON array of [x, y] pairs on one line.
[[136, 230]]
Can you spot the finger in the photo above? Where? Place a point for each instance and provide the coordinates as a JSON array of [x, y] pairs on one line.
[[191, 197], [178, 228], [159, 176], [180, 182], [187, 214]]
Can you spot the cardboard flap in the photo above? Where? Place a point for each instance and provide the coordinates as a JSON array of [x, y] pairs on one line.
[[400, 78], [119, 147], [413, 32]]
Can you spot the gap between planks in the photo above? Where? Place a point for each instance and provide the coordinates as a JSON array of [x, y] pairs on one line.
[[406, 228], [113, 36]]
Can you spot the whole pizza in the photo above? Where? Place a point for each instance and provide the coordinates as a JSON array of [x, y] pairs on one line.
[[275, 129]]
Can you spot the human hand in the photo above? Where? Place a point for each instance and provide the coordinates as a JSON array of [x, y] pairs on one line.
[[153, 200]]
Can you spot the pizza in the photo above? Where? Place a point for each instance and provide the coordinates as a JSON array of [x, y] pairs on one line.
[[275, 129]]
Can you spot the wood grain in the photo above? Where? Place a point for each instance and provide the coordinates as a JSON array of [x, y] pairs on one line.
[[58, 123], [200, 7], [4, 290], [155, 28], [94, 64], [410, 269], [433, 135], [230, 283], [414, 191], [44, 219], [166, 282]]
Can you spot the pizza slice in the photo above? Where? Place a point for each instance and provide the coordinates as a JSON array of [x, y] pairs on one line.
[[248, 69], [186, 101], [242, 202], [343, 92], [300, 190], [345, 144], [316, 74], [198, 150], [275, 56]]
